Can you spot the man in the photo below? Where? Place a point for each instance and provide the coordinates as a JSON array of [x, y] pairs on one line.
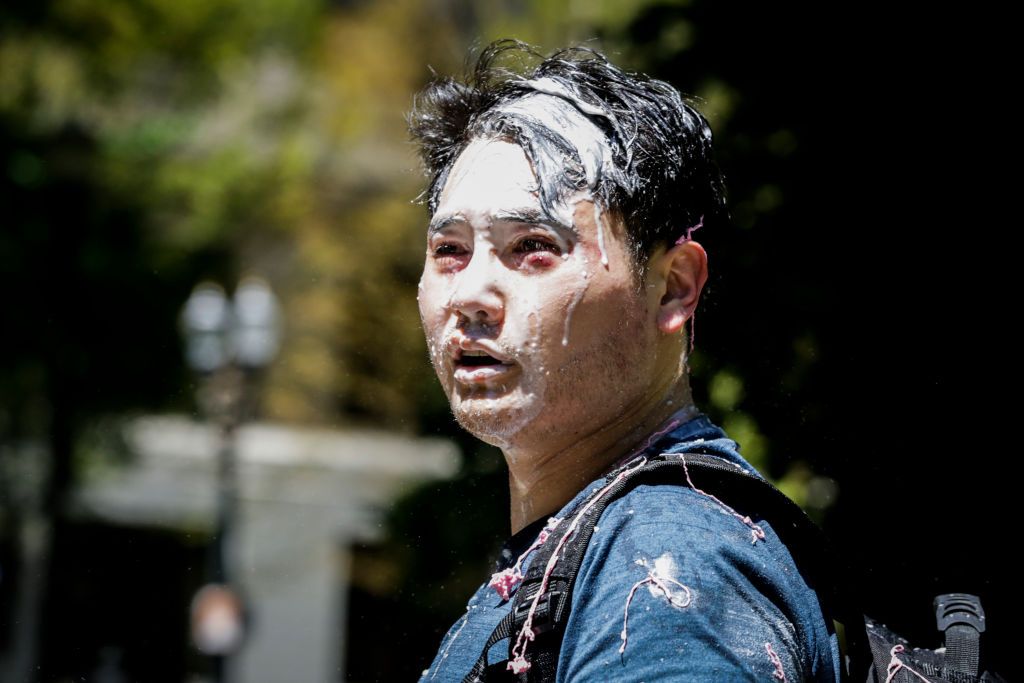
[[559, 275]]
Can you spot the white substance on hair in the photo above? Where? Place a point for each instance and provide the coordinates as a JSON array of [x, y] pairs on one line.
[[550, 86], [554, 108], [554, 112]]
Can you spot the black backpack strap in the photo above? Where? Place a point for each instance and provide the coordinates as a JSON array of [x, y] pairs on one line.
[[546, 616]]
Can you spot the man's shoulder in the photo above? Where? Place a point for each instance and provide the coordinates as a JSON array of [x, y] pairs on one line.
[[653, 510], [672, 572], [693, 534], [652, 521]]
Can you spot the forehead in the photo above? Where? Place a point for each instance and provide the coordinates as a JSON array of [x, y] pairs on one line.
[[488, 175]]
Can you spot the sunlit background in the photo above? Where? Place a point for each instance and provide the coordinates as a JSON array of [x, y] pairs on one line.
[[254, 154]]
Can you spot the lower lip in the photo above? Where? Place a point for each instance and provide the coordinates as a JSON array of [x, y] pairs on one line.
[[481, 374]]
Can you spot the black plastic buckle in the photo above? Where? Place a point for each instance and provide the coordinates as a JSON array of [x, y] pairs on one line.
[[546, 616], [959, 608]]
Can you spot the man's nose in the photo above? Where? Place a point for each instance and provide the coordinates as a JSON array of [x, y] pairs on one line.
[[478, 295]]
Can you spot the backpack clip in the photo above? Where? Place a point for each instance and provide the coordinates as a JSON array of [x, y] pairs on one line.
[[959, 608], [547, 613]]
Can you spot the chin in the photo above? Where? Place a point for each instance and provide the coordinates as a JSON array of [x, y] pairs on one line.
[[496, 420]]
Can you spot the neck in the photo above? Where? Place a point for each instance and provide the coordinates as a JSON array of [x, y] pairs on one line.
[[541, 481]]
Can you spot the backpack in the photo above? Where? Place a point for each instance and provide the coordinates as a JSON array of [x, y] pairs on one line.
[[874, 654]]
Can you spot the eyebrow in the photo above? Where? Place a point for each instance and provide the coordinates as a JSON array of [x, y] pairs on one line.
[[527, 216], [530, 216], [438, 224]]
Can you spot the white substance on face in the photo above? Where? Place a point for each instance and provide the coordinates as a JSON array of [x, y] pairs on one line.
[[534, 323], [480, 274], [499, 302], [527, 347], [524, 345]]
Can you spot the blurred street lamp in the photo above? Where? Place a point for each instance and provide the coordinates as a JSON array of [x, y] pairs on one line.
[[255, 336], [227, 342], [219, 332], [205, 321]]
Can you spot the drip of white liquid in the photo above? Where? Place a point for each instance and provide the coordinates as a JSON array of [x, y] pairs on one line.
[[572, 306], [534, 323], [600, 233]]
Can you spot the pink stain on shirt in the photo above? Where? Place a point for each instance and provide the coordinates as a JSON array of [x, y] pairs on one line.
[[776, 662]]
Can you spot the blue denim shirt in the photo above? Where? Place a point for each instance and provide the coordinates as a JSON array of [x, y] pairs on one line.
[[704, 601]]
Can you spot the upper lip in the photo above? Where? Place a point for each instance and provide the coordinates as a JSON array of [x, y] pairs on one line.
[[459, 346]]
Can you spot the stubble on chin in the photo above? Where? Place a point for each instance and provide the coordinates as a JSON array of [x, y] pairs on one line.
[[495, 419]]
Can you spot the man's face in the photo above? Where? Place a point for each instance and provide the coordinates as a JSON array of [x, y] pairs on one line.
[[537, 329]]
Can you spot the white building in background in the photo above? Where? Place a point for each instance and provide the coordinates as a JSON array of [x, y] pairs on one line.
[[304, 497]]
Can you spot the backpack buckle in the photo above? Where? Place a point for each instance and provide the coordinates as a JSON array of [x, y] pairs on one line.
[[547, 614], [959, 608]]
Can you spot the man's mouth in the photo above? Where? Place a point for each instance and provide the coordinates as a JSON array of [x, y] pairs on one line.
[[477, 359], [475, 366]]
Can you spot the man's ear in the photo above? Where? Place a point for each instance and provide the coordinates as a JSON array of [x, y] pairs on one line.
[[683, 270]]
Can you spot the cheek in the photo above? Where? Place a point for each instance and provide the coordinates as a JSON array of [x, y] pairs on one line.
[[432, 314], [429, 296], [612, 316]]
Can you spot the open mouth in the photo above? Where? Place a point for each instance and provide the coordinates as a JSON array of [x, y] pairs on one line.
[[475, 366], [477, 359]]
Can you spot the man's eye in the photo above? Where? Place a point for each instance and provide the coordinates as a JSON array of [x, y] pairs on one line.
[[531, 244], [448, 249]]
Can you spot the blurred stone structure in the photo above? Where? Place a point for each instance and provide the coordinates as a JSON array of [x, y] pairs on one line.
[[305, 496]]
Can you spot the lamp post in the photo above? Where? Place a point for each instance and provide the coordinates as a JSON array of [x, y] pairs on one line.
[[227, 343]]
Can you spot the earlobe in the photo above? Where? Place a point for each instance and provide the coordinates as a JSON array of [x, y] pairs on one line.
[[684, 269]]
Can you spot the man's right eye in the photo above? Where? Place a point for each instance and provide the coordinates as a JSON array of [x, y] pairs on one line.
[[449, 255], [448, 249]]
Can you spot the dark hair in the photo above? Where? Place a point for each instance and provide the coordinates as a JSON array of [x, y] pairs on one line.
[[650, 160]]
